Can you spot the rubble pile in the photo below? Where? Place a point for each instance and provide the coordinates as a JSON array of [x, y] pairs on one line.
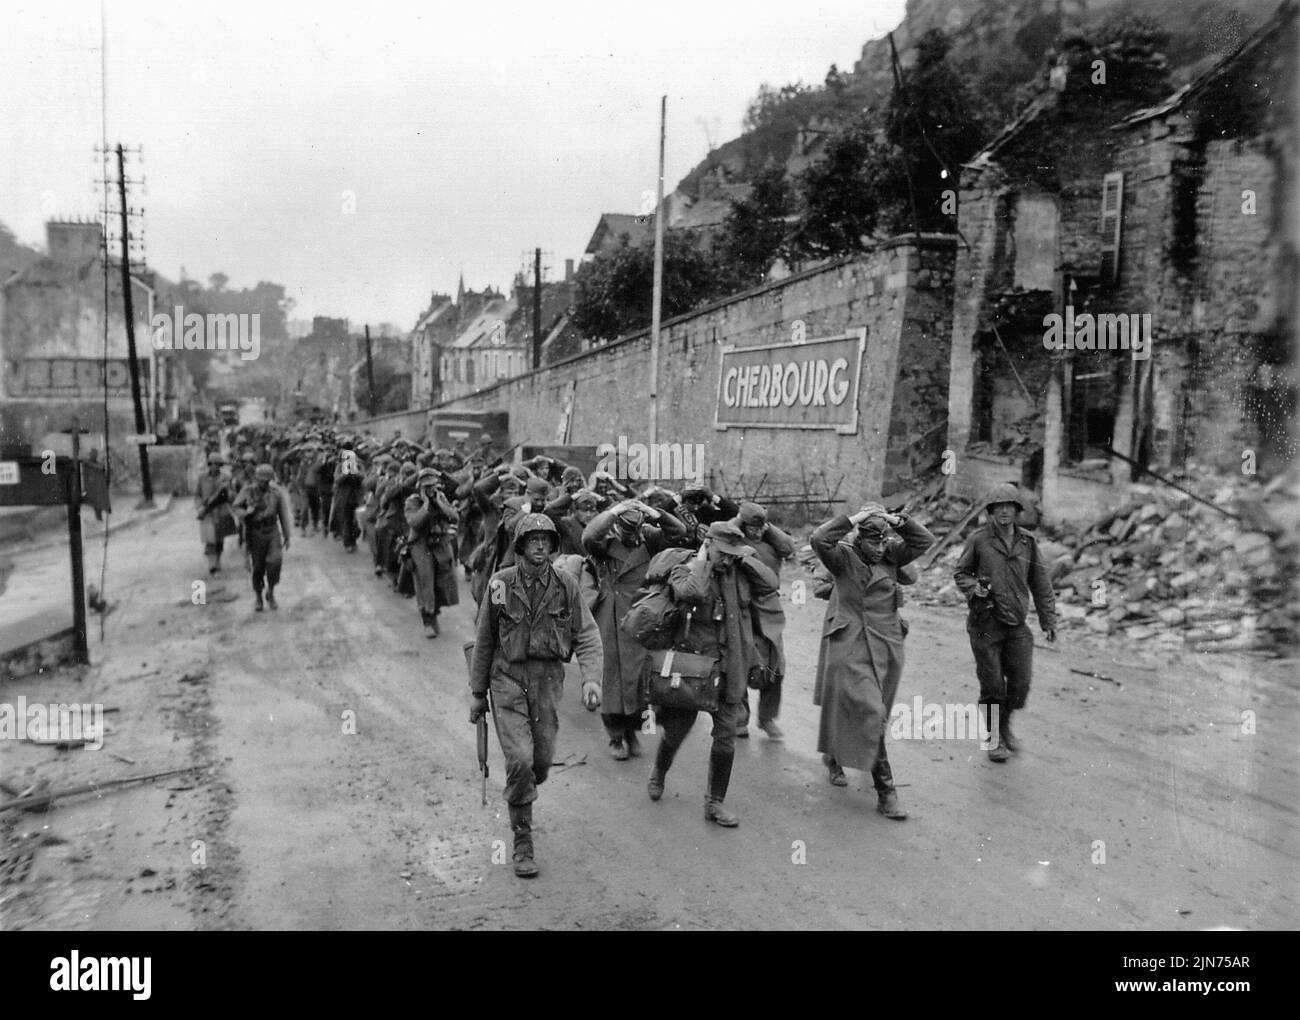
[[1162, 567]]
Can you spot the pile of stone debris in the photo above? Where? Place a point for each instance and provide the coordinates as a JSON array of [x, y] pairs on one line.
[[1162, 567]]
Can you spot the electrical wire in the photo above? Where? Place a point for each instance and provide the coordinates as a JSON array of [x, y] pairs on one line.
[[103, 130]]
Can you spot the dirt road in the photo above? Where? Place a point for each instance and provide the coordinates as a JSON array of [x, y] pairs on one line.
[[339, 787]]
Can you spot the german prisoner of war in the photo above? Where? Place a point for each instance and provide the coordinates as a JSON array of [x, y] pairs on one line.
[[732, 607], [621, 542], [560, 562], [860, 660]]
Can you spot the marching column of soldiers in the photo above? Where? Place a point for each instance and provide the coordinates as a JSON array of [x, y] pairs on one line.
[[670, 601]]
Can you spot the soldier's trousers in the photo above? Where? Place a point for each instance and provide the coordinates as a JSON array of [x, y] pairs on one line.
[[676, 724], [266, 551], [527, 719], [383, 543], [313, 507], [769, 705], [1004, 660]]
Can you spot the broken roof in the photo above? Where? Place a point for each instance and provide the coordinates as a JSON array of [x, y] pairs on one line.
[[1048, 99], [1281, 18]]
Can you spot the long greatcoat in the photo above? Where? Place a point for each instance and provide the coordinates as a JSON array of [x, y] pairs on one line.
[[860, 660], [620, 573], [431, 556]]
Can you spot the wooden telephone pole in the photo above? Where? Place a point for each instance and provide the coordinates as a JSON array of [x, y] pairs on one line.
[[145, 481]]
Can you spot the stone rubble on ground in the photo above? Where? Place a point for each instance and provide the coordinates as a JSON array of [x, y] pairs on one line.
[[1160, 568]]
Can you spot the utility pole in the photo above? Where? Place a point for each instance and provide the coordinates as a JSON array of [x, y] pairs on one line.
[[658, 281], [537, 308], [145, 481], [74, 545], [370, 375]]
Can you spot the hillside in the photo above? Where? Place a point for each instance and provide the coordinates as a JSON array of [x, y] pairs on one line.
[[1000, 45]]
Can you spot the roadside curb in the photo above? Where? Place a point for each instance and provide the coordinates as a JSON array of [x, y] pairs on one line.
[[129, 522]]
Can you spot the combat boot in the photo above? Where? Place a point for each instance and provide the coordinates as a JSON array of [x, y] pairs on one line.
[[886, 799], [719, 779], [999, 752], [1008, 739], [270, 598], [663, 762], [257, 602], [521, 824]]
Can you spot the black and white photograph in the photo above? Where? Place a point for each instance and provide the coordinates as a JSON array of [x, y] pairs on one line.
[[681, 467]]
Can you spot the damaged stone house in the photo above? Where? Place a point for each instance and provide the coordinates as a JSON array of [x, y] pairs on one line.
[[1092, 222]]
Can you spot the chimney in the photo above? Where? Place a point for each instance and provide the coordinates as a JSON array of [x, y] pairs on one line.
[[568, 270]]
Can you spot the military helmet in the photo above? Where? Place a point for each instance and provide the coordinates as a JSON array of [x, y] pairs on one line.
[[1005, 492], [532, 523]]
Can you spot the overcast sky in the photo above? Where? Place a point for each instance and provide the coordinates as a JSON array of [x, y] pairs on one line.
[[466, 134]]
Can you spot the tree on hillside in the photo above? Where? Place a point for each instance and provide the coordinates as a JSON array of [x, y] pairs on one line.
[[1134, 71], [848, 195], [935, 123], [616, 288], [754, 234]]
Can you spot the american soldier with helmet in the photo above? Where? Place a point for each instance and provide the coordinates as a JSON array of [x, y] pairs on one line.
[[1000, 570], [264, 509], [531, 622]]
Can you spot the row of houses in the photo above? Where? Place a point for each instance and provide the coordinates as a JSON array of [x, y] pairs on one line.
[[459, 345], [478, 338], [64, 358]]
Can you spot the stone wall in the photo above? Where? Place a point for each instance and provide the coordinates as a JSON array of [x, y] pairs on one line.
[[1213, 273], [900, 291]]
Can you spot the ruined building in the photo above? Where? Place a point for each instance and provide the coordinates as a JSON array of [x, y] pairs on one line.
[[1095, 218]]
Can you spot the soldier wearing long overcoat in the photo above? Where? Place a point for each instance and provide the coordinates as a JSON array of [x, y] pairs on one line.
[[621, 542], [860, 660]]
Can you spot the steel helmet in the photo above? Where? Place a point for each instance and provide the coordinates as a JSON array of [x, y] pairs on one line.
[[533, 523], [1004, 492]]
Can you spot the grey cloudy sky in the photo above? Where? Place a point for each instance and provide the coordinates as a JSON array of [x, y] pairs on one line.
[[468, 134]]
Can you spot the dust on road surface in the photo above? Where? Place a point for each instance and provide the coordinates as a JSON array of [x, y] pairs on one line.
[[339, 785]]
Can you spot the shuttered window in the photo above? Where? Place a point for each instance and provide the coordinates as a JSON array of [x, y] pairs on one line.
[[1112, 206]]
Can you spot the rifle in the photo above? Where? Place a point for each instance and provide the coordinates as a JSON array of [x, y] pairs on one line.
[[222, 495], [482, 725], [483, 755]]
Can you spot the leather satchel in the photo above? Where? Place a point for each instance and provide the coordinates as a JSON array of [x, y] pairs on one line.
[[673, 678], [676, 679]]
